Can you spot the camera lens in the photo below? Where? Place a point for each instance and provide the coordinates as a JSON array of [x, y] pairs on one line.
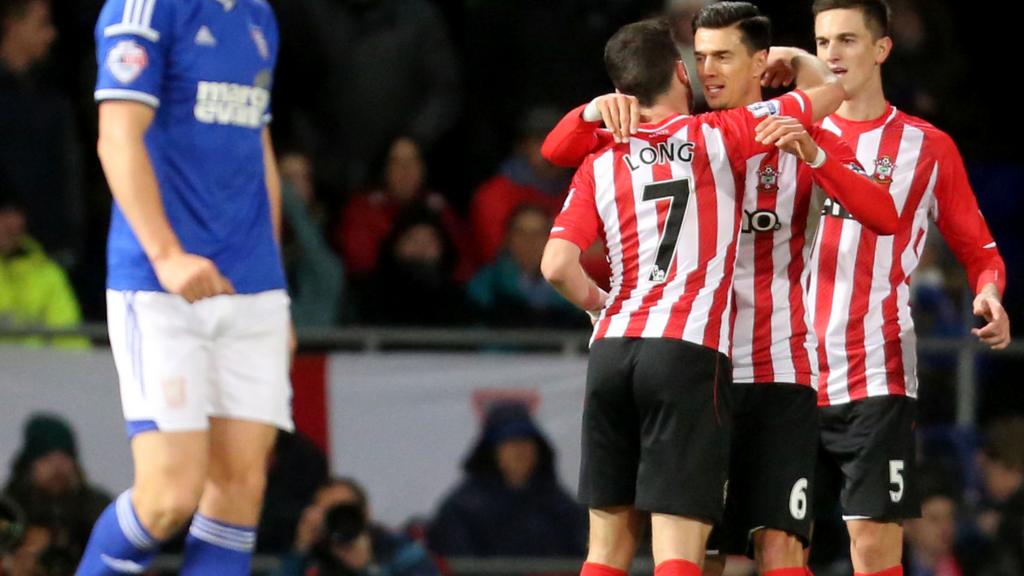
[[344, 523]]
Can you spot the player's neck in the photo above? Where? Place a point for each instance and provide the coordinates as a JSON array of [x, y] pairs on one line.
[[752, 96], [868, 104], [661, 110]]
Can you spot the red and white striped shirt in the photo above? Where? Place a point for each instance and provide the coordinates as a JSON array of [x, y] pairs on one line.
[[772, 339], [858, 285], [668, 207]]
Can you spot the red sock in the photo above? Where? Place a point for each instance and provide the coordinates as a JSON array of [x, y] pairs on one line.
[[595, 569], [894, 571], [677, 568], [798, 571]]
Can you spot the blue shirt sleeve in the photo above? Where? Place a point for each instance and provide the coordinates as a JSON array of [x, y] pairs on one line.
[[133, 38]]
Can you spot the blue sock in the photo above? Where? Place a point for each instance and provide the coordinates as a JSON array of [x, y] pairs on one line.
[[118, 544], [215, 548]]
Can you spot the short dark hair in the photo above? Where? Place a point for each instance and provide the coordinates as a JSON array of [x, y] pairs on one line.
[[755, 27], [362, 502], [640, 59], [876, 12]]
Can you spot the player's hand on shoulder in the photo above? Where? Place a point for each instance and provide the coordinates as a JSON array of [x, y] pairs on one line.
[[788, 135], [620, 113], [190, 276], [779, 67]]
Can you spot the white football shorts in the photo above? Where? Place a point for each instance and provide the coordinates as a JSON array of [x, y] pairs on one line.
[[180, 363]]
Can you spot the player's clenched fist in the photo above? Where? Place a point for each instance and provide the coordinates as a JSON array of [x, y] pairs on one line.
[[191, 277]]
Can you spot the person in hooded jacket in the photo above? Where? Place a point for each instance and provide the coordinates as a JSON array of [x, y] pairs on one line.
[[509, 503], [48, 483]]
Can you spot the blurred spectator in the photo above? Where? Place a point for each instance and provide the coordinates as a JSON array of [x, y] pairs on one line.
[[935, 309], [39, 158], [1002, 467], [525, 177], [415, 281], [936, 315], [510, 503], [49, 484], [34, 290], [681, 13], [336, 536], [369, 218], [297, 469], [930, 538], [937, 544], [316, 278], [363, 71], [924, 69], [510, 60], [512, 291]]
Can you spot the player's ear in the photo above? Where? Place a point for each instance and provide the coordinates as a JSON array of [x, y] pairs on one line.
[[760, 63], [883, 47], [682, 74], [684, 78]]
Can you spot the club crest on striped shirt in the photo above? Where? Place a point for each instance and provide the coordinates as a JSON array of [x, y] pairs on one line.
[[884, 168], [768, 179]]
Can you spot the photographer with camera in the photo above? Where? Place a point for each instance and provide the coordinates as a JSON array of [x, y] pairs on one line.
[[335, 537], [47, 482]]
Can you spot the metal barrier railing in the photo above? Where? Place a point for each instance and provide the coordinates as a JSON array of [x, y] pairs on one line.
[[568, 342]]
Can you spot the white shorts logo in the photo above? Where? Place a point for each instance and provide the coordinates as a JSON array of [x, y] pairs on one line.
[[174, 391], [126, 60]]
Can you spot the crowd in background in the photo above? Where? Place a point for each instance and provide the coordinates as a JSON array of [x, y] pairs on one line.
[[408, 136], [509, 503]]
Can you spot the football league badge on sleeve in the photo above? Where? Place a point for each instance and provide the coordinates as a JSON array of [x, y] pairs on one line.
[[765, 108], [126, 61]]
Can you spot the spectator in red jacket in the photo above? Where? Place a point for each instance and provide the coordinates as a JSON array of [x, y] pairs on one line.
[[368, 218], [525, 177]]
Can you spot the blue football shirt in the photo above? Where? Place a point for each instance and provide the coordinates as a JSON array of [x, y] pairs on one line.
[[206, 67]]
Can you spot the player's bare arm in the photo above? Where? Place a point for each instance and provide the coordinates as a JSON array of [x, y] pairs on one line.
[[811, 75], [273, 177], [273, 182], [561, 267], [122, 152], [788, 65]]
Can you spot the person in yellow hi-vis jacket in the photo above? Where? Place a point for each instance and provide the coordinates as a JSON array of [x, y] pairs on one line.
[[34, 290]]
